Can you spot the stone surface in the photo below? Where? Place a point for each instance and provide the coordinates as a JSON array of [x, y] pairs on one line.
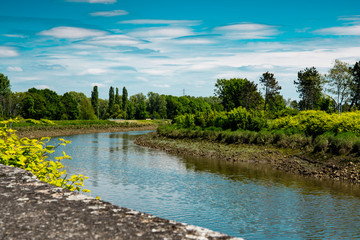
[[31, 209]]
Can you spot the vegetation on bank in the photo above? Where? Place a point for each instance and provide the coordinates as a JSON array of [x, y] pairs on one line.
[[312, 131], [33, 155]]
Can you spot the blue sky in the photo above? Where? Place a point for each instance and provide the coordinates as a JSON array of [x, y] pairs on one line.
[[167, 46]]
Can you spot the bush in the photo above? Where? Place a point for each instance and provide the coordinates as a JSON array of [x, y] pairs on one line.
[[32, 155]]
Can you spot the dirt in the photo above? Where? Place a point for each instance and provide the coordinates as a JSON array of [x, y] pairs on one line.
[[338, 168]]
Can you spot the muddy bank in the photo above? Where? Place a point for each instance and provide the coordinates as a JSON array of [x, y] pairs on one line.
[[56, 132], [339, 168]]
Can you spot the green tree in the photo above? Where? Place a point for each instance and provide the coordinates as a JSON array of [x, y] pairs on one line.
[[111, 101], [5, 91], [86, 111], [309, 86], [28, 110], [95, 100], [71, 107], [125, 102], [271, 87], [339, 79], [139, 102], [156, 105], [130, 111], [118, 98], [355, 86], [238, 92]]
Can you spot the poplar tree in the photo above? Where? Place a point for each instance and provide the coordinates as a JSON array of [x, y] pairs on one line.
[[111, 101], [95, 100], [125, 101]]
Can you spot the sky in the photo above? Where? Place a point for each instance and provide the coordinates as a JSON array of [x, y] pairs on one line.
[[171, 47]]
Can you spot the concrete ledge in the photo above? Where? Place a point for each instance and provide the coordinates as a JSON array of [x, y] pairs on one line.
[[31, 209]]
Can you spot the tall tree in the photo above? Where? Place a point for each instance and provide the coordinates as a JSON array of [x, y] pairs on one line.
[[117, 97], [125, 102], [309, 86], [339, 80], [95, 100], [5, 92], [355, 85], [111, 101], [238, 92], [271, 87]]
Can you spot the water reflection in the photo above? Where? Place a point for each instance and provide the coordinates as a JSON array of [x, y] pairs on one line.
[[246, 200]]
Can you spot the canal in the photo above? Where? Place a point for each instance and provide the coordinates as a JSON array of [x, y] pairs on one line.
[[244, 200]]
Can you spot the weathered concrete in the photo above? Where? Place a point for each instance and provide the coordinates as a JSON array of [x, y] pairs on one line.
[[31, 209]]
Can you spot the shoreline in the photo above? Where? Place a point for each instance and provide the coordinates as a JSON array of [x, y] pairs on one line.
[[336, 168], [38, 133]]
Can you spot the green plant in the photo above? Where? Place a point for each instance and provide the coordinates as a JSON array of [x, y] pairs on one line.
[[33, 154]]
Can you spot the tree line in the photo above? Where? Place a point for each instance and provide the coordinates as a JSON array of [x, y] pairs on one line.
[[338, 90]]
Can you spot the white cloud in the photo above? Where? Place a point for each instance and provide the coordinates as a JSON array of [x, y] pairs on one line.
[[93, 71], [247, 31], [109, 13], [114, 40], [161, 85], [8, 52], [98, 84], [14, 35], [26, 79], [353, 30], [189, 41], [161, 32], [42, 87], [162, 21], [14, 69], [350, 18], [95, 1], [72, 32]]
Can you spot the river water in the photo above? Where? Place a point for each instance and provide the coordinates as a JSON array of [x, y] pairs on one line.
[[253, 202]]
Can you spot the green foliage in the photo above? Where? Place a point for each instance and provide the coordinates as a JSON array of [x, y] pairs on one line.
[[32, 155], [238, 92], [309, 86]]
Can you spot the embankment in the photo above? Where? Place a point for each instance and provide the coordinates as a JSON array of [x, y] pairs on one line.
[[339, 168], [31, 209]]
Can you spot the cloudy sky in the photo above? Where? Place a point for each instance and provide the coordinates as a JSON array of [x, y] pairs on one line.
[[167, 46]]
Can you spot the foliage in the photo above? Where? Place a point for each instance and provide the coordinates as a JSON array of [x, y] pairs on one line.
[[32, 155], [95, 100], [339, 80], [355, 86], [309, 86], [238, 92], [271, 87]]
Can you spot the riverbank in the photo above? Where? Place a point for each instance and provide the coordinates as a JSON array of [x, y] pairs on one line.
[[301, 162], [67, 130], [32, 209]]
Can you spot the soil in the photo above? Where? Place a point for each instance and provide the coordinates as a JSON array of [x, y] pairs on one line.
[[338, 168]]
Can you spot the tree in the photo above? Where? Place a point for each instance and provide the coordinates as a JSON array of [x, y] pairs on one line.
[[355, 85], [238, 92], [5, 92], [111, 101], [309, 86], [138, 101], [271, 87], [71, 107], [125, 101], [117, 98], [95, 100], [339, 80], [156, 105], [86, 111]]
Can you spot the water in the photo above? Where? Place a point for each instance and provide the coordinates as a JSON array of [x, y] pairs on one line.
[[253, 202]]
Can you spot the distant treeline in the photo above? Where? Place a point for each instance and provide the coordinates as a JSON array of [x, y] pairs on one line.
[[342, 81]]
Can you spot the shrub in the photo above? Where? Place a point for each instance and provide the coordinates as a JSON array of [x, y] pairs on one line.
[[32, 155]]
